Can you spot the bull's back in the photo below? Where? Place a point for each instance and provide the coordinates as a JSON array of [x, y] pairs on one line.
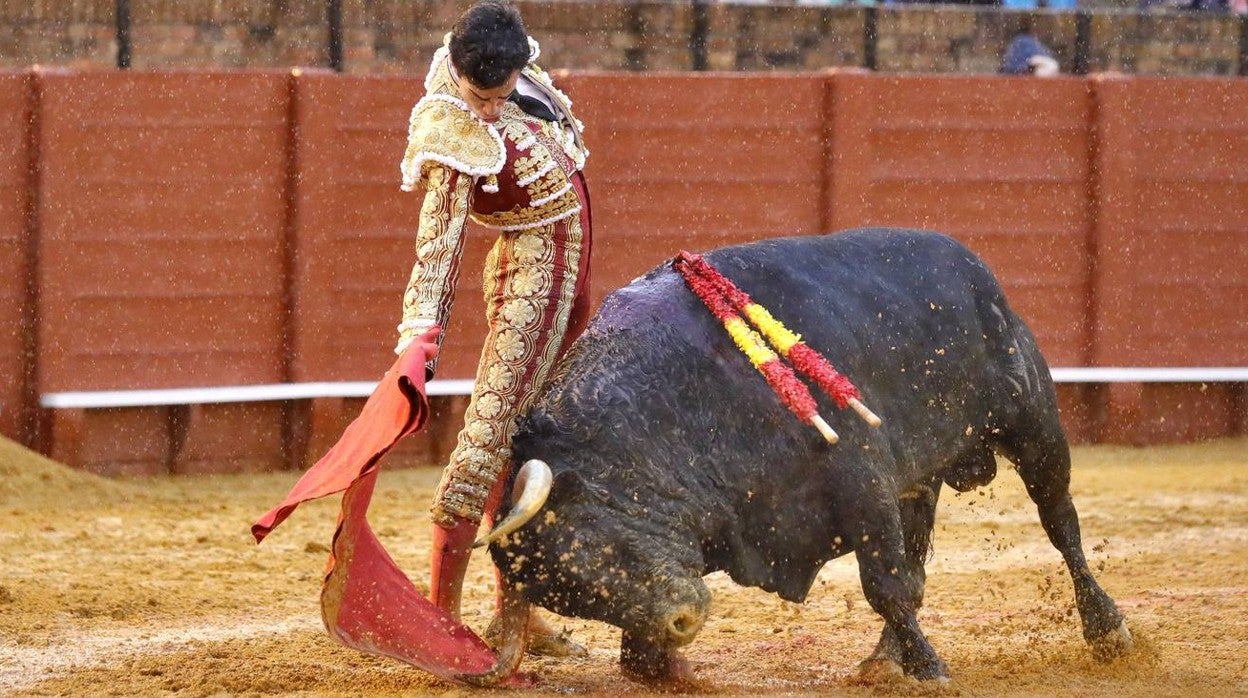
[[868, 294], [915, 319]]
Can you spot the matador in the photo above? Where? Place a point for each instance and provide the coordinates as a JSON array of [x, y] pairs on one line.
[[510, 158]]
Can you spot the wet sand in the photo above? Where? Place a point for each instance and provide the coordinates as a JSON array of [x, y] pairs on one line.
[[153, 586]]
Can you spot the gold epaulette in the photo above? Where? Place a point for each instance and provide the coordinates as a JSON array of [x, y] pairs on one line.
[[442, 129]]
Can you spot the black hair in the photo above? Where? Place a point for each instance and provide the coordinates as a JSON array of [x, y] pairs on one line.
[[489, 43]]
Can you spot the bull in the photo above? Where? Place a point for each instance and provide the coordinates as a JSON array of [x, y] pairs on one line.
[[657, 455]]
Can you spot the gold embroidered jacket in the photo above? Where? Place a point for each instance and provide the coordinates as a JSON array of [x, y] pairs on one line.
[[514, 174]]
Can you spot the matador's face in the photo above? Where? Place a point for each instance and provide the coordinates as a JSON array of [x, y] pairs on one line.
[[486, 103]]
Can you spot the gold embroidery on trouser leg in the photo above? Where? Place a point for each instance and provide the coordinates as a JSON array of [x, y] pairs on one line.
[[533, 283]]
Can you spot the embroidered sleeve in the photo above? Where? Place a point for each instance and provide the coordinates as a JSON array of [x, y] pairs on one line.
[[439, 242]]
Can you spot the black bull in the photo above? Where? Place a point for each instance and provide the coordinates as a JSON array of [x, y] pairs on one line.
[[672, 458]]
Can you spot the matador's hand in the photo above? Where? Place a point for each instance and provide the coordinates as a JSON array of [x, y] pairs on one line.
[[409, 331]]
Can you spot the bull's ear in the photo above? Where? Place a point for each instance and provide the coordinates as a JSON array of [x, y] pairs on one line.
[[570, 484], [537, 422], [533, 428]]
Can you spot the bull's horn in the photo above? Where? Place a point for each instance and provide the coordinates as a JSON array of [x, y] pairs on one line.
[[533, 485], [512, 636]]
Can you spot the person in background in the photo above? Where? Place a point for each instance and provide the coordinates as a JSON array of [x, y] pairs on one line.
[[494, 141], [1027, 55]]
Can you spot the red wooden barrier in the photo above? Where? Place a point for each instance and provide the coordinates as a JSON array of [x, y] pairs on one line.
[[218, 229], [355, 228], [1002, 165], [1171, 245], [16, 105], [356, 234], [162, 217], [695, 162]]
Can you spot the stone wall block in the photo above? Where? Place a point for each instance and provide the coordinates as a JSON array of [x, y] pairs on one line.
[[395, 36]]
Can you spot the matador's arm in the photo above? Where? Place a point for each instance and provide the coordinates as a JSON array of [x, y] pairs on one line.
[[439, 244], [447, 149]]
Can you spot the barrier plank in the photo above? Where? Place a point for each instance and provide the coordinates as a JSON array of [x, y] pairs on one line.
[[15, 192], [1172, 235], [162, 217], [684, 161], [356, 233]]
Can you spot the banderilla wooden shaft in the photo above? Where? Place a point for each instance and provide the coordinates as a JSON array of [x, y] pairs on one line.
[[818, 423], [867, 415]]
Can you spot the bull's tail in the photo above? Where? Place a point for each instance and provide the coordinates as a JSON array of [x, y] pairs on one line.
[[1025, 409], [1018, 370], [1012, 348]]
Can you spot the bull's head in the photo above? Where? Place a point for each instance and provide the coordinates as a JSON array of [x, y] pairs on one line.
[[575, 549]]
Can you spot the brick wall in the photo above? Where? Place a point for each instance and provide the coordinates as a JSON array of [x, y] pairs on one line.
[[397, 36], [1167, 44], [793, 38], [227, 33], [46, 32]]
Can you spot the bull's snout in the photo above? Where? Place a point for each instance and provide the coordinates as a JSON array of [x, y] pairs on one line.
[[683, 624], [681, 617]]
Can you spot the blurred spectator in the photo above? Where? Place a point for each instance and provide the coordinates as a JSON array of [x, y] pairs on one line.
[[1040, 4], [1197, 5], [1209, 5], [1026, 55]]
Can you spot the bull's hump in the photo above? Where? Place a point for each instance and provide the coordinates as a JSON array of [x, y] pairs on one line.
[[648, 298], [850, 250]]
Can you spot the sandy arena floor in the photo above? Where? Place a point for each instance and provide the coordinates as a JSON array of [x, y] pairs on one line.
[[149, 587]]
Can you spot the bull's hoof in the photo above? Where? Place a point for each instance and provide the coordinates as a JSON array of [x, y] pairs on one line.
[[936, 674], [1113, 644], [876, 669], [543, 641], [881, 670], [555, 645]]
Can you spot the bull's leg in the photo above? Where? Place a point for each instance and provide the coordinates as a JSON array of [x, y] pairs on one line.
[[918, 516], [894, 589], [1043, 461]]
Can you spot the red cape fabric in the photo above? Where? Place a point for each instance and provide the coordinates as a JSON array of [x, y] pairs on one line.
[[366, 601]]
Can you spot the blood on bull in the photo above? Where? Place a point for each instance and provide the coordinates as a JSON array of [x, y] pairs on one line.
[[657, 455]]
